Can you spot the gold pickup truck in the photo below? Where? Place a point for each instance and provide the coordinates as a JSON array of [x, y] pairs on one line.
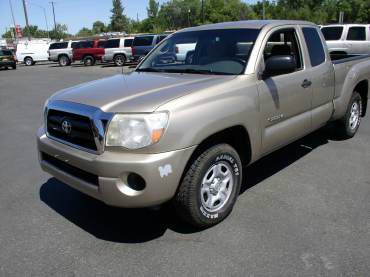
[[183, 130]]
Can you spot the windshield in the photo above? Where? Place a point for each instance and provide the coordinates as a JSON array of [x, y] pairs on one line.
[[224, 52]]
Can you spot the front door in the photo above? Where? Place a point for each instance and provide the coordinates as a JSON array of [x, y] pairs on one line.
[[285, 99]]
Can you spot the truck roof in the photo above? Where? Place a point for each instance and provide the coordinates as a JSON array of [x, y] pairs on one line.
[[248, 24]]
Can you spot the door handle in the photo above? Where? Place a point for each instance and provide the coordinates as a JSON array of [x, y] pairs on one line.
[[306, 83]]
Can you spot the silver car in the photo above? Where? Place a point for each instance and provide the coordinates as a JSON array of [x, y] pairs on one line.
[[118, 50], [61, 52], [347, 38]]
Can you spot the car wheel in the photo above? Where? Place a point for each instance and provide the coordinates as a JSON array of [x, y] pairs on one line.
[[210, 187], [89, 61], [28, 61], [119, 60], [349, 124], [14, 66], [63, 61]]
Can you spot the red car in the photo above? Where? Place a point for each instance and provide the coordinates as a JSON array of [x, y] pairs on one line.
[[89, 51]]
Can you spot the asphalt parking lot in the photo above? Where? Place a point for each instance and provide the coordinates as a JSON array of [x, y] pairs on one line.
[[304, 210]]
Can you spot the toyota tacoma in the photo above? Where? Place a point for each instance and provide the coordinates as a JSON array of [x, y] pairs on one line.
[[182, 131]]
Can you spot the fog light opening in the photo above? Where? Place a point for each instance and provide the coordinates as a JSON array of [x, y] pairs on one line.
[[136, 182]]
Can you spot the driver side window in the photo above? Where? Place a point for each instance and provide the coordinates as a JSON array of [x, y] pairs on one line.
[[282, 43]]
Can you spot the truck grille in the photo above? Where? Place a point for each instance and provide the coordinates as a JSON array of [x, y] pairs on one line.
[[71, 128]]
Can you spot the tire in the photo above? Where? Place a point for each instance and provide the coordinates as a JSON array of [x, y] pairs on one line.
[[89, 61], [28, 61], [63, 60], [348, 126], [206, 182], [14, 66], [119, 60]]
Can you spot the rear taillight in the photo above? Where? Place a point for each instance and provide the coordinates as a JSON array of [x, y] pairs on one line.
[[133, 51], [176, 50]]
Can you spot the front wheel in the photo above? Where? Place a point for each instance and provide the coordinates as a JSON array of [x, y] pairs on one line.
[[349, 124], [210, 187]]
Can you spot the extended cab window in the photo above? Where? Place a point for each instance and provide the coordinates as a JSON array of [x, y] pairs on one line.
[[284, 42], [332, 33], [87, 44], [356, 33], [314, 45], [128, 42], [160, 38]]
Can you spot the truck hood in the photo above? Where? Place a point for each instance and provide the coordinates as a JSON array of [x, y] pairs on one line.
[[138, 91]]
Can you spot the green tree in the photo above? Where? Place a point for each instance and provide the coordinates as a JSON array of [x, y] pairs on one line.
[[98, 27], [84, 32], [59, 32], [153, 9], [119, 22]]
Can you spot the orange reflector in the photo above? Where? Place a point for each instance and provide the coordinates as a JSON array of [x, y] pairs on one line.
[[156, 135]]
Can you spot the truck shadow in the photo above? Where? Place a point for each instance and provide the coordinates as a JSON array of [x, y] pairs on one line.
[[141, 225]]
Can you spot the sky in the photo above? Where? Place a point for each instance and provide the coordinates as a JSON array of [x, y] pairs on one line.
[[74, 13]]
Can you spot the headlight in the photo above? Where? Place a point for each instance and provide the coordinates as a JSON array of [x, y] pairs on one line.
[[134, 131]]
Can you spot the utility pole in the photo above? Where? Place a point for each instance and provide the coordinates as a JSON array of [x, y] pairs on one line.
[[55, 25], [26, 16], [11, 10], [263, 9]]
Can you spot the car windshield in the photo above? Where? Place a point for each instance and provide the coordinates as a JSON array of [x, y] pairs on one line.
[[224, 52]]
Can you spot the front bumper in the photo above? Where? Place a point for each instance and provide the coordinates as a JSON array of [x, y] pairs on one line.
[[162, 172]]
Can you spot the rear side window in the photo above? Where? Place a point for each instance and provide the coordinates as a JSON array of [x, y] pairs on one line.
[[332, 33], [143, 41], [128, 42], [58, 45], [102, 44], [87, 44], [314, 45], [356, 33], [112, 43]]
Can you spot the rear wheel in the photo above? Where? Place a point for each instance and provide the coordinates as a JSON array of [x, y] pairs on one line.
[[119, 60], [210, 187], [14, 66], [28, 61], [63, 60], [89, 61], [349, 124]]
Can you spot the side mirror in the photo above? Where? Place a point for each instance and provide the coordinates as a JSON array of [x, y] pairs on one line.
[[280, 64]]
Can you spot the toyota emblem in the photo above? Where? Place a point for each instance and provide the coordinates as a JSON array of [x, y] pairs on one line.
[[66, 127]]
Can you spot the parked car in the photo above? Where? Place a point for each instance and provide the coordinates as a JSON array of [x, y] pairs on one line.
[[347, 38], [118, 50], [7, 59], [32, 51], [143, 44], [88, 51], [61, 52], [184, 131]]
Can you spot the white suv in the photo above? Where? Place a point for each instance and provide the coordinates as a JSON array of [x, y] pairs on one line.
[[118, 50], [347, 38]]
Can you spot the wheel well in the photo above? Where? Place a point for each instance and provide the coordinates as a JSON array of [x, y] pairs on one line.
[[88, 55], [362, 88], [236, 136], [65, 55], [123, 54], [27, 57]]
